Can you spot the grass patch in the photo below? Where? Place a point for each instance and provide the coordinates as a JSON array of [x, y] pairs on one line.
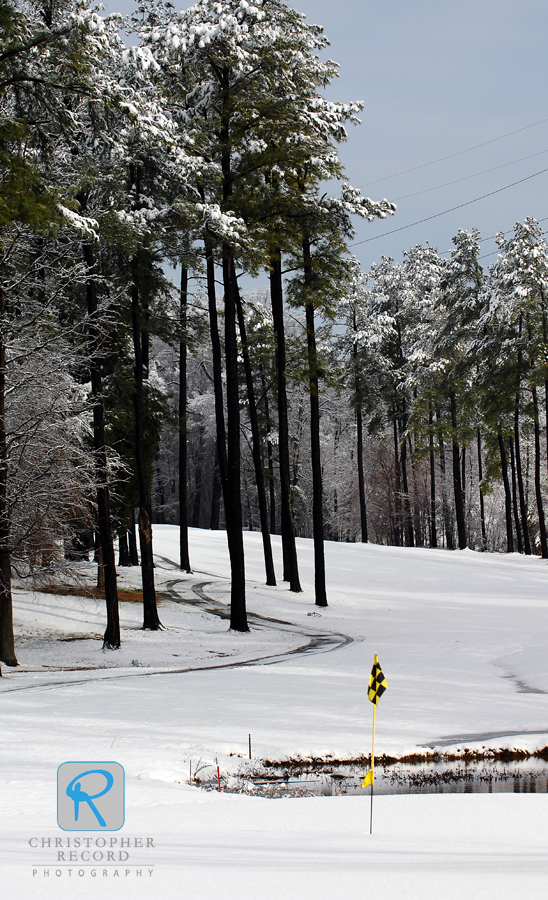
[[125, 595], [308, 765]]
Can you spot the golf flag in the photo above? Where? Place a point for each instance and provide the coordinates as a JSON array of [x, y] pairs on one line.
[[377, 682], [377, 687]]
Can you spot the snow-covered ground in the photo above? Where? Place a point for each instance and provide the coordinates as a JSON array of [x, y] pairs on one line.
[[461, 638]]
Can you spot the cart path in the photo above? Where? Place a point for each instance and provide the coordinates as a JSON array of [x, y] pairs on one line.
[[316, 640]]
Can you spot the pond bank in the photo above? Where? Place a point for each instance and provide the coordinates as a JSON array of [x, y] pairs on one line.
[[518, 777]]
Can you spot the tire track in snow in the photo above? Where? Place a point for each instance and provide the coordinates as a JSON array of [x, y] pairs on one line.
[[317, 641]]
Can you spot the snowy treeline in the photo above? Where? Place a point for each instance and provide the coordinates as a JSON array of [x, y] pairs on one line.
[[444, 363], [338, 404], [203, 146]]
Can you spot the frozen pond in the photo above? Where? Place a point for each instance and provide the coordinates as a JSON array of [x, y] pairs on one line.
[[523, 777]]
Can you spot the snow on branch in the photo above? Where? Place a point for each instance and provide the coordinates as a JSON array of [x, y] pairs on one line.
[[354, 203], [225, 226], [83, 224]]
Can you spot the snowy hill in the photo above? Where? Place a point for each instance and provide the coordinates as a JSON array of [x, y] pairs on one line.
[[460, 637]]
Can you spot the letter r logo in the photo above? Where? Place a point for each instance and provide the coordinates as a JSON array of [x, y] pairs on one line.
[[90, 796]]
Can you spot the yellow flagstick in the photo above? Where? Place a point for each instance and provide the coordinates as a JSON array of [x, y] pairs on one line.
[[372, 770], [377, 687]]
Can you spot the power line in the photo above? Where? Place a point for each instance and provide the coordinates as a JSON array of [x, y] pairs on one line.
[[508, 230], [452, 155], [485, 255], [495, 252], [492, 237], [468, 177], [453, 208]]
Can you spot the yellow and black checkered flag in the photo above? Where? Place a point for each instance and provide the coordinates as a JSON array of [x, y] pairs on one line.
[[377, 683]]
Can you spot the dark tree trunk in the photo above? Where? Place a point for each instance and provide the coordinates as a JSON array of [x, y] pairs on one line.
[[107, 563], [231, 486], [463, 487], [290, 565], [408, 525], [215, 510], [160, 499], [417, 517], [145, 338], [184, 558], [359, 436], [522, 501], [457, 484], [249, 508], [401, 418], [398, 530], [256, 445], [297, 443], [123, 549], [231, 469], [463, 475], [315, 451], [433, 530], [515, 496], [197, 499], [132, 536], [99, 561], [507, 495], [7, 643], [361, 478], [481, 500], [216, 353], [271, 487], [229, 462], [538, 488], [447, 515], [151, 620], [521, 491]]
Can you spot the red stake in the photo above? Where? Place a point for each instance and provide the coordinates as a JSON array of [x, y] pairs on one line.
[[219, 778]]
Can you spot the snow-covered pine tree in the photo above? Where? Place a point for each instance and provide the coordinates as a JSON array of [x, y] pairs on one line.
[[249, 76], [324, 225], [517, 324], [48, 54]]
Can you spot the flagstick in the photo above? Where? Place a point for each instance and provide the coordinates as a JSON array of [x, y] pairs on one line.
[[372, 770]]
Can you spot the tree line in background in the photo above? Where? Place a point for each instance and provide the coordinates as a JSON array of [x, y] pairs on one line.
[[432, 405], [335, 404]]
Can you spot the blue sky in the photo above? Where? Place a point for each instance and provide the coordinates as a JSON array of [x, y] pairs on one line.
[[438, 78]]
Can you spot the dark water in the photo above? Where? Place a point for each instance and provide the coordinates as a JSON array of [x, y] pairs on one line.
[[524, 777], [478, 778]]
